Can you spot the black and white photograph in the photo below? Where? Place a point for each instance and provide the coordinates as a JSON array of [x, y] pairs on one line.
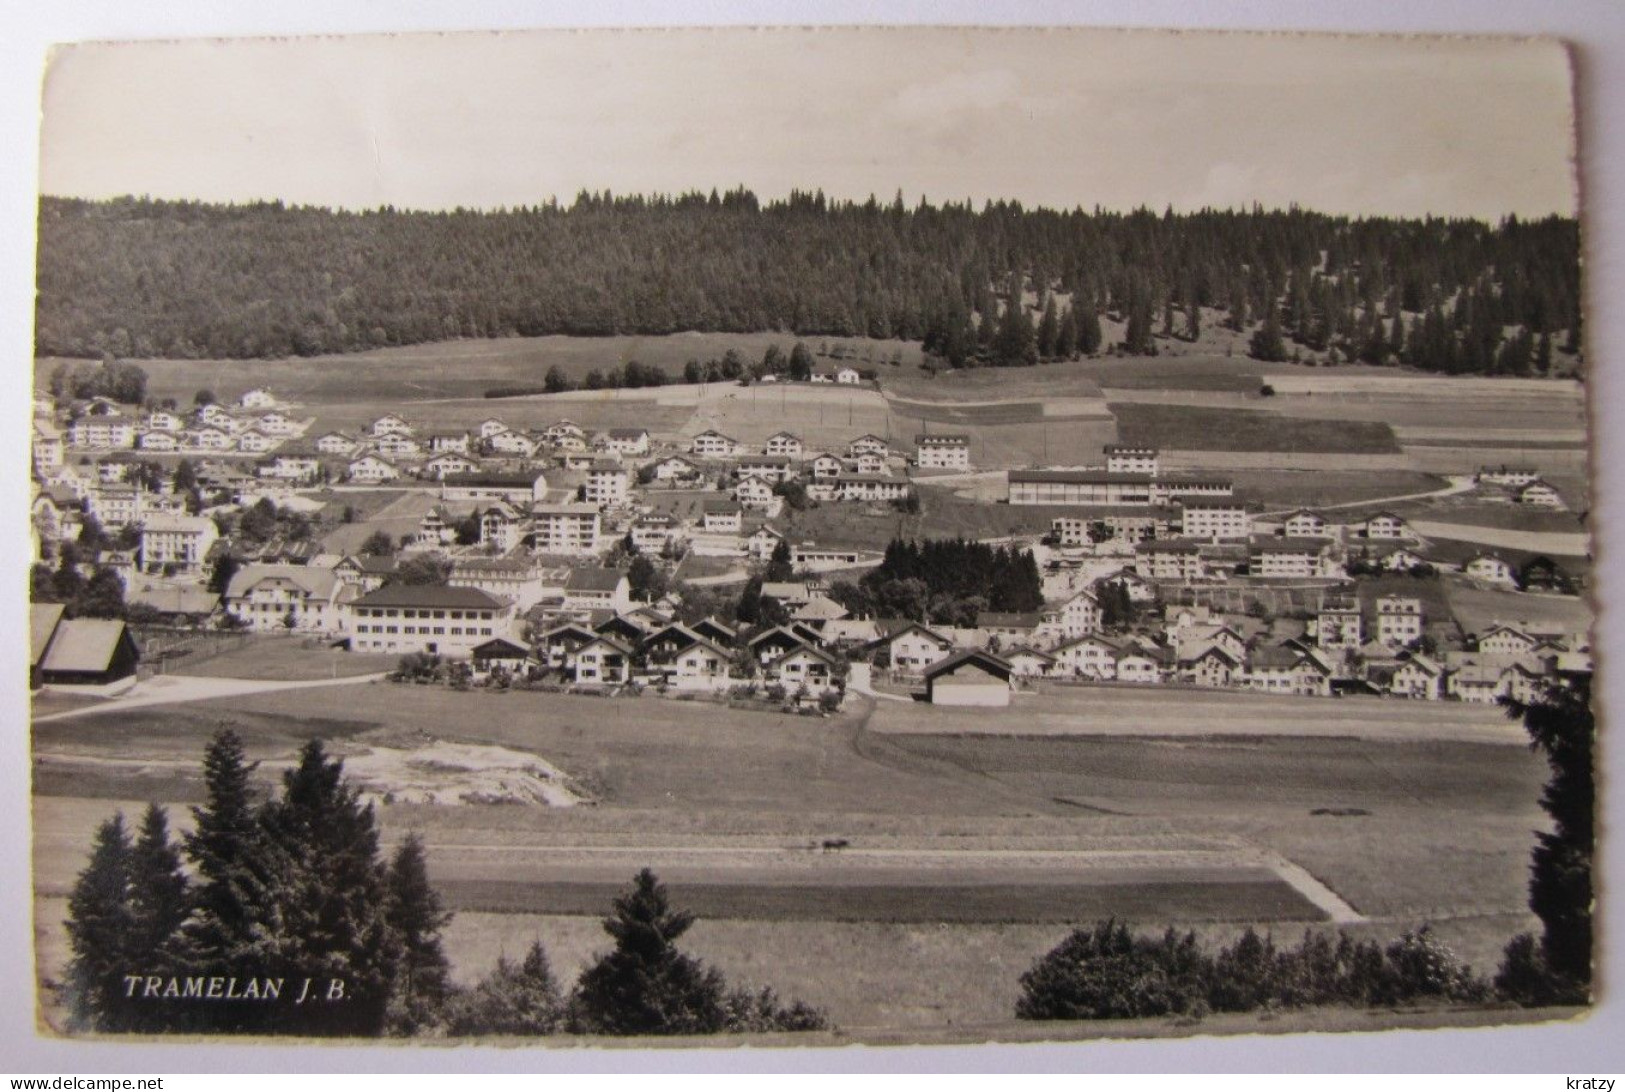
[[809, 536]]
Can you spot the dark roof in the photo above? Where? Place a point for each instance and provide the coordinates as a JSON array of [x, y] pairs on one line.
[[499, 648], [1080, 477], [626, 433], [42, 623], [1129, 449], [526, 478], [594, 579], [941, 438], [993, 665], [1008, 619], [85, 644], [429, 595], [1291, 545], [377, 564]]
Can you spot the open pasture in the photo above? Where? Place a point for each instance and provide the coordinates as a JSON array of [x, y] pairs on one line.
[[1479, 608], [1313, 489], [1204, 428]]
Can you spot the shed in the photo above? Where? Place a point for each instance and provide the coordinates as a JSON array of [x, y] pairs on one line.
[[969, 678]]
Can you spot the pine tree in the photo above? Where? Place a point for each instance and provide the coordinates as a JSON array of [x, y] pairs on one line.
[[1267, 343], [1049, 328], [416, 915], [335, 899], [645, 985], [1543, 354], [1015, 343], [237, 925], [1066, 338], [778, 565], [1090, 336], [100, 925], [161, 895]]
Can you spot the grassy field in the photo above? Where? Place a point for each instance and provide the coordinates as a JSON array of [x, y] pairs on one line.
[[1202, 428], [1289, 488], [1478, 608], [283, 659], [462, 369]]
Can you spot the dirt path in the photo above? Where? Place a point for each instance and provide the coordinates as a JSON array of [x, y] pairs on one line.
[[178, 689]]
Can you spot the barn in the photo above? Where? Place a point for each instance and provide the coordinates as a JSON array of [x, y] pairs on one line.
[[969, 678], [80, 651]]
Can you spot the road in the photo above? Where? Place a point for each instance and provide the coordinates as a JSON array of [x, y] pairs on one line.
[[178, 689], [1458, 484]]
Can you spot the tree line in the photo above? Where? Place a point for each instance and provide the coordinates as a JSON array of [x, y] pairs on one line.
[[135, 277], [945, 581], [283, 917]]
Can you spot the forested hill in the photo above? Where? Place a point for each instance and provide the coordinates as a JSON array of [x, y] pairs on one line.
[[142, 278]]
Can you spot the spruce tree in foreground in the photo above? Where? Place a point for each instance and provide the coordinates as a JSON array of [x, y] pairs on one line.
[[416, 916], [646, 986], [100, 920], [1557, 969]]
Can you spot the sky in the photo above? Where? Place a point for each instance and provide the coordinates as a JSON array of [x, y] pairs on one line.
[[1358, 125]]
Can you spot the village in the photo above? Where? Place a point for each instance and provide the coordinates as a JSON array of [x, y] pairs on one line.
[[554, 556]]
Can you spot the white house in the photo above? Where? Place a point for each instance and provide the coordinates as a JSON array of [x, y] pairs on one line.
[[1539, 494], [914, 648], [1385, 525], [607, 483], [177, 541], [787, 444], [371, 469], [1399, 619], [565, 528], [712, 444], [1491, 570], [942, 452], [280, 598], [1304, 524], [753, 492], [623, 441]]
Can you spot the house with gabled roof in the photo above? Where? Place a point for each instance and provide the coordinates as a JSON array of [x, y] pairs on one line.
[[714, 630], [1417, 676], [806, 668], [1028, 663], [266, 598], [911, 648], [869, 443], [787, 444], [371, 469], [700, 665], [1088, 657], [1385, 525], [556, 646], [1501, 639], [677, 468], [602, 661], [1213, 666], [712, 444], [1491, 569], [623, 441], [1287, 669], [390, 424]]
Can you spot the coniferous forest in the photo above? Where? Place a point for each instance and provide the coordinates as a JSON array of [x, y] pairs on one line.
[[143, 278]]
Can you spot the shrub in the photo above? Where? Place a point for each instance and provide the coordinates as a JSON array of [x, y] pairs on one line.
[[1108, 973], [514, 999], [1420, 966]]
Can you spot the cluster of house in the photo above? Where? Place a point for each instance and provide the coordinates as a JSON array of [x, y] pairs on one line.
[[253, 425], [1523, 485], [1192, 529]]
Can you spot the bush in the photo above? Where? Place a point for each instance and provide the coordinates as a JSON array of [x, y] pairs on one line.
[[1107, 973], [514, 999], [1420, 966]]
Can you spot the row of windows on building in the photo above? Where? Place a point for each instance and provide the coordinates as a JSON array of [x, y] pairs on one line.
[[428, 631]]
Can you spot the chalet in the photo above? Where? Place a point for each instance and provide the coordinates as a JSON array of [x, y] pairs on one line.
[[969, 678], [819, 611], [702, 664], [1526, 680], [398, 445], [565, 528], [1399, 620], [256, 398], [675, 468], [594, 588], [1291, 558], [868, 444], [450, 463], [1385, 525], [1132, 459], [1490, 569], [164, 421], [792, 593], [623, 441], [1146, 665], [281, 598], [602, 661], [294, 465], [336, 443], [428, 618], [276, 423], [754, 493], [1005, 629], [1214, 666], [914, 648], [1483, 684], [769, 645], [1075, 616], [1285, 669], [806, 669], [662, 645], [1417, 677], [871, 487], [1092, 657], [713, 630], [441, 443], [1028, 663], [771, 468], [513, 443], [365, 572], [654, 532], [159, 441], [826, 466], [1505, 640], [762, 542], [628, 629], [576, 460], [210, 438], [869, 463], [1507, 475], [254, 441], [499, 652], [79, 651], [607, 483], [390, 424], [1304, 523], [520, 487], [942, 452], [1539, 494], [371, 469], [559, 644], [1140, 590], [787, 444], [712, 444], [847, 376], [490, 427], [721, 516]]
